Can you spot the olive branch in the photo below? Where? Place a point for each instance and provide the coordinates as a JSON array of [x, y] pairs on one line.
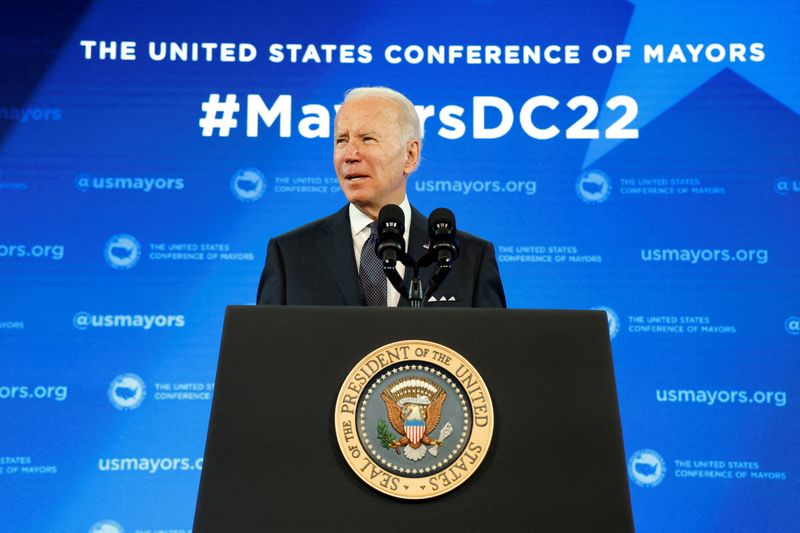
[[384, 435]]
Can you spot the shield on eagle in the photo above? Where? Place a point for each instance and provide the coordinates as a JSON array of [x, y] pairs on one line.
[[415, 429]]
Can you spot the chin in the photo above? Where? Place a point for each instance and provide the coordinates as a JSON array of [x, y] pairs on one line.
[[363, 205], [359, 198]]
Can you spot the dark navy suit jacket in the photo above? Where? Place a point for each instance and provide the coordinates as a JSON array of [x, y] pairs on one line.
[[315, 265]]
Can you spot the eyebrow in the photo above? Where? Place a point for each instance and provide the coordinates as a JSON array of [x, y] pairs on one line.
[[361, 133]]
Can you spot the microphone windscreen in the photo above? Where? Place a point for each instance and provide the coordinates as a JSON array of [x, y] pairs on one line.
[[391, 216], [441, 222]]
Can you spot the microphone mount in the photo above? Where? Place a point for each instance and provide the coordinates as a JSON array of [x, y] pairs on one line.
[[390, 248]]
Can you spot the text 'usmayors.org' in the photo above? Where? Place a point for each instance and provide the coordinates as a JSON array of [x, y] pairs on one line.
[[465, 187], [151, 465], [705, 255], [721, 396], [35, 392], [34, 251]]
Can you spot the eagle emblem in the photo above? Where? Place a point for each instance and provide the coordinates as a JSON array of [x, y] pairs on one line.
[[414, 408]]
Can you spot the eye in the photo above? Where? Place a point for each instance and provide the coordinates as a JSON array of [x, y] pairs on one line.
[[340, 141]]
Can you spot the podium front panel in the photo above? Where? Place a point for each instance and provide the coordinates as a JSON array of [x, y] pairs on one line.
[[272, 462]]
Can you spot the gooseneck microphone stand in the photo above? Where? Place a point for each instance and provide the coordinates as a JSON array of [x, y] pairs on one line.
[[415, 293], [390, 248]]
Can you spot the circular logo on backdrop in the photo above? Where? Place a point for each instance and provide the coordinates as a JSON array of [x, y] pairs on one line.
[[613, 320], [107, 526], [122, 251], [126, 391], [646, 468], [248, 184], [593, 186], [792, 325], [414, 419]]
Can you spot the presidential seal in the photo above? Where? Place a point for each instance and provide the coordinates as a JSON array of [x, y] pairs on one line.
[[414, 419]]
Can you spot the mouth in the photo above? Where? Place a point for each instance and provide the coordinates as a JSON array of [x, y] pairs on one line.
[[355, 177]]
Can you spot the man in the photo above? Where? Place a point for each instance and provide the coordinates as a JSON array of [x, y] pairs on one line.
[[377, 142]]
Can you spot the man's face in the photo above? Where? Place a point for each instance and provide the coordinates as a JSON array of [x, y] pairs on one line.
[[371, 162]]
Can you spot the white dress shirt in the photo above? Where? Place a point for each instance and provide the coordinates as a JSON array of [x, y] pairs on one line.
[[359, 225]]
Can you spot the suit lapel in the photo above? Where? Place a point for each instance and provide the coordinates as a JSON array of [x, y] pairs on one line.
[[417, 240], [336, 248]]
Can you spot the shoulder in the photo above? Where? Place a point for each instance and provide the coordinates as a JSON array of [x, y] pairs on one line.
[[466, 240], [472, 248], [472, 240], [314, 229]]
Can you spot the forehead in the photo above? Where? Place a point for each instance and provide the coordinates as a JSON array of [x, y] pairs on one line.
[[368, 113]]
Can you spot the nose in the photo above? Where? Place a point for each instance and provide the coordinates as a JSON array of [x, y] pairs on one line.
[[351, 154]]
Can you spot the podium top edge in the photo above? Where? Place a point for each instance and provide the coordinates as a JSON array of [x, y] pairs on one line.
[[361, 309]]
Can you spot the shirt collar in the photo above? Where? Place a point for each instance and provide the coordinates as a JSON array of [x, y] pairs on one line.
[[359, 221]]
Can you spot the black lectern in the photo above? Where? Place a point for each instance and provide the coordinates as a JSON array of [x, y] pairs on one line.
[[272, 462]]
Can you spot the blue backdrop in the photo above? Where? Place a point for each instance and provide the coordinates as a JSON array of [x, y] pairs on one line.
[[640, 157]]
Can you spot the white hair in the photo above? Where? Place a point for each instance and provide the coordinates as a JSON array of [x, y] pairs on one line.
[[409, 126]]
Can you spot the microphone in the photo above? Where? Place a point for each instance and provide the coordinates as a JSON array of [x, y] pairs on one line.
[[443, 247], [390, 244], [442, 232]]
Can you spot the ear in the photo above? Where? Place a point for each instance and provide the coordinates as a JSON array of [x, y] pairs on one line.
[[412, 156]]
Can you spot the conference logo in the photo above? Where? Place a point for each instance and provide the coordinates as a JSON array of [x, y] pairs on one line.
[[126, 392], [646, 468], [122, 251], [414, 419], [107, 526], [613, 320], [792, 325], [248, 184], [593, 186]]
